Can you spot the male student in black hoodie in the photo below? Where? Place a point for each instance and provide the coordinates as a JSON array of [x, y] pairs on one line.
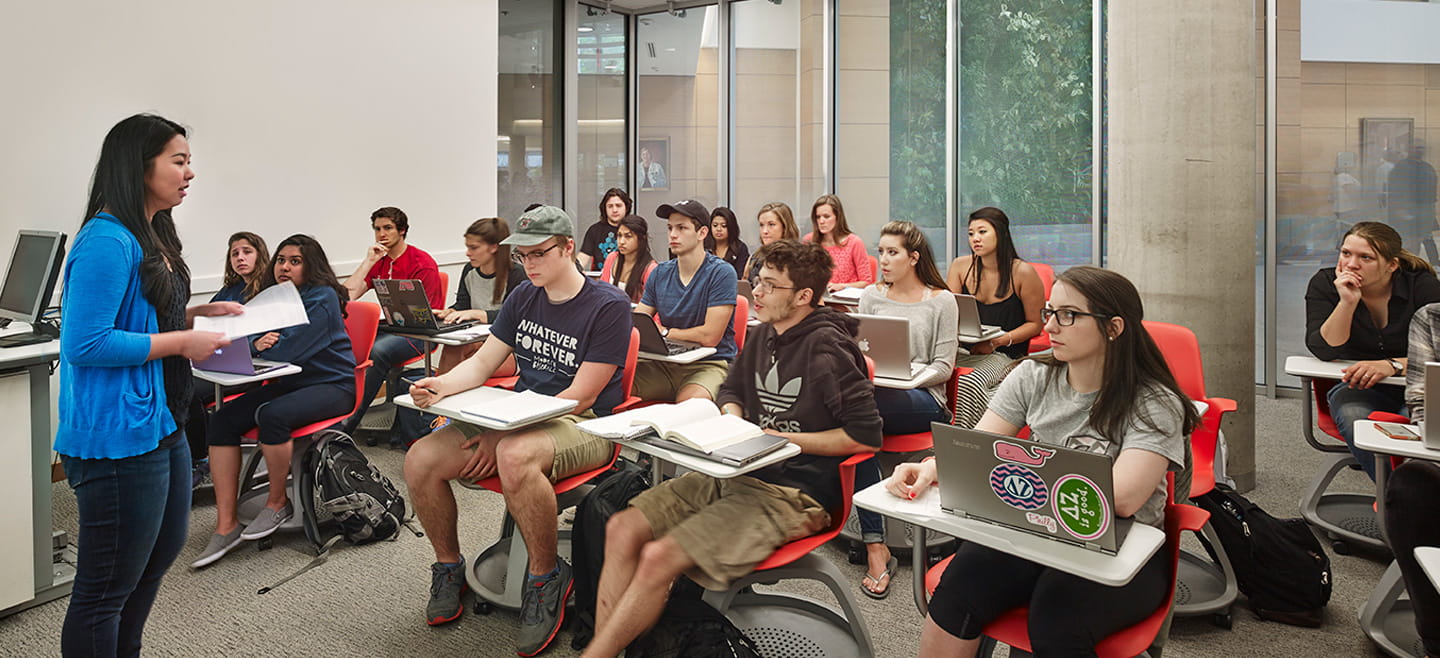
[[800, 375]]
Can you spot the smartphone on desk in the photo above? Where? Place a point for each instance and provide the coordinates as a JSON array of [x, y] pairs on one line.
[[1397, 431]]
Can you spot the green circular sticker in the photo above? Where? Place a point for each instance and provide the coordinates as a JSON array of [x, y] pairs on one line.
[[1080, 507]]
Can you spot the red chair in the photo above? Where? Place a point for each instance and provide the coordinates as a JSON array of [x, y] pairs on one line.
[[1345, 518], [874, 266], [741, 318], [361, 321], [1047, 277], [754, 612], [1210, 584], [1012, 627]]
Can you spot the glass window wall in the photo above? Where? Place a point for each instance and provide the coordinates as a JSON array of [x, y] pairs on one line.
[[601, 68], [529, 164]]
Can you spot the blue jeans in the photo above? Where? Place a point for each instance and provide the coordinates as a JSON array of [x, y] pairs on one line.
[[1348, 405], [134, 516], [902, 412], [388, 353]]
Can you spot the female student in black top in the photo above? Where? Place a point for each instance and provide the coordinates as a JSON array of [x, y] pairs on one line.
[[1360, 310], [630, 265], [325, 388], [724, 239], [1106, 389], [487, 278]]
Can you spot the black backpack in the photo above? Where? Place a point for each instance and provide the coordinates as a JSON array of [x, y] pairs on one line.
[[348, 488], [587, 540], [691, 628], [1279, 564]]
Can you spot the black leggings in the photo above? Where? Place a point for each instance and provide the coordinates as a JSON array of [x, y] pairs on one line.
[[1412, 505], [1068, 614], [278, 409]]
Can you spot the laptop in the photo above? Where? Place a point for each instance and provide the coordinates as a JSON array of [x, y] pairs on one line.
[[886, 340], [1430, 432], [405, 309], [235, 359], [1059, 493], [651, 342], [971, 330], [740, 454]]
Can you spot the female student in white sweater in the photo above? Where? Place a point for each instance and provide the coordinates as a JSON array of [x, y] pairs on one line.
[[910, 287]]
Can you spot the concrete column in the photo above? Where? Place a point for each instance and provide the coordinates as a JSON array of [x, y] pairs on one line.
[[1181, 184]]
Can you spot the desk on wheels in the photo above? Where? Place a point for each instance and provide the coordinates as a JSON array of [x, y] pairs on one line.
[[224, 379], [458, 337], [1344, 517], [1388, 620], [925, 514], [31, 574]]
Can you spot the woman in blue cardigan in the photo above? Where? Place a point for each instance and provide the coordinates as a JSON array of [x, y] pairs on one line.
[[325, 388], [125, 384]]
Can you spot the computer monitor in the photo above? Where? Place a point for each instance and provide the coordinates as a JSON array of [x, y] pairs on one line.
[[30, 283]]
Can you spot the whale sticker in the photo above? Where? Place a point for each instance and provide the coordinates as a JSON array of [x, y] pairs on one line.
[[1033, 455]]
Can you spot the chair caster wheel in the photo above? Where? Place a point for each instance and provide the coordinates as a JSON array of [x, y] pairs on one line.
[[484, 607], [1223, 620], [1340, 547], [855, 553], [265, 544]]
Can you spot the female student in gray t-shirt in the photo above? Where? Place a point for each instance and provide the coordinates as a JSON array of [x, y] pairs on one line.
[[1106, 389]]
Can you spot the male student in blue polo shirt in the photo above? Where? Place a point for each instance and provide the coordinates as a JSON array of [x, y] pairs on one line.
[[694, 294], [569, 335]]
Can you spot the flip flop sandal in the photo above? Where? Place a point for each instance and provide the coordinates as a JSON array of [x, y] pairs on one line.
[[889, 571]]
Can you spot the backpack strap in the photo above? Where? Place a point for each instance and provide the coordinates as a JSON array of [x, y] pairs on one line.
[[317, 561]]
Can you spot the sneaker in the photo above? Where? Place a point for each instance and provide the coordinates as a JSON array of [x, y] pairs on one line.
[[217, 548], [542, 609], [447, 585], [267, 522]]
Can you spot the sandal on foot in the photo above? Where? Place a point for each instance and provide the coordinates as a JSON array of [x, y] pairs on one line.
[[888, 573]]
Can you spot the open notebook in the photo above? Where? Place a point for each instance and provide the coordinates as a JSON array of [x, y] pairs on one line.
[[695, 427], [519, 409]]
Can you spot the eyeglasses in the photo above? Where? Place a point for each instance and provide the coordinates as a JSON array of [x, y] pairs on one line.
[[1066, 317], [534, 256], [765, 287]]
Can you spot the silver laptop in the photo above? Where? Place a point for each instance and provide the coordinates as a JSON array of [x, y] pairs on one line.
[[886, 340], [1430, 432], [1058, 493], [970, 327]]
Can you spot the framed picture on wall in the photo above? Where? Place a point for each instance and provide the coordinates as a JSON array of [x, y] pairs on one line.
[[1383, 142], [652, 167]]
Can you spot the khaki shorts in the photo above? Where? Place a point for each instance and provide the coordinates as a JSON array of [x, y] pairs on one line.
[[575, 451], [728, 526], [661, 380]]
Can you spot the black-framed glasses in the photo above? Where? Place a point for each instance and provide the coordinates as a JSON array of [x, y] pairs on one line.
[[534, 256], [1066, 317], [765, 287]]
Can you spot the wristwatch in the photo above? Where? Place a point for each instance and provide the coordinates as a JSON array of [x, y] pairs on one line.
[[665, 333], [1396, 365]]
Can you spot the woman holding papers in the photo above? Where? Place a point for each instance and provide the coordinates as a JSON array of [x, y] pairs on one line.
[[325, 388], [1009, 294], [125, 384], [1360, 310], [911, 287], [829, 229], [1106, 389]]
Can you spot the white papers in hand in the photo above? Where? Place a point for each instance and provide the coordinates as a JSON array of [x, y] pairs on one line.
[[273, 309]]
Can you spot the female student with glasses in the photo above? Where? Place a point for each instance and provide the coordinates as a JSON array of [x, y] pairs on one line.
[[1104, 389]]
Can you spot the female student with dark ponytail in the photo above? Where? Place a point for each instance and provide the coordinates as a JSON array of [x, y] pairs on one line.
[[630, 265], [1105, 389], [125, 384], [324, 388]]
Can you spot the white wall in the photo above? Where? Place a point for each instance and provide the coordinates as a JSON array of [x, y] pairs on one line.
[[1377, 31], [304, 116]]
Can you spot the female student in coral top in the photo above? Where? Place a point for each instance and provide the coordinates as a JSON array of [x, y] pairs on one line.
[[777, 222], [125, 384], [325, 388], [630, 265], [829, 229], [1105, 389]]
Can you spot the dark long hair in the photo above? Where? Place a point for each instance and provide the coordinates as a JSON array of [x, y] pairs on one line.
[[128, 153], [1005, 255], [494, 230], [732, 230], [317, 267], [616, 192], [1133, 362], [262, 263], [842, 227], [914, 240], [635, 285]]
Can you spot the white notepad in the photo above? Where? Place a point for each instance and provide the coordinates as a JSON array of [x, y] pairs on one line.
[[519, 409]]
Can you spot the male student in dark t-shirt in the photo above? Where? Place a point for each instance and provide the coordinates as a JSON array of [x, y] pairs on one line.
[[569, 335], [391, 257], [600, 238], [801, 376]]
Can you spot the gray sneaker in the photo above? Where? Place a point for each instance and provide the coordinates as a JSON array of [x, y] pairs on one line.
[[447, 585], [542, 609], [267, 522], [217, 548]]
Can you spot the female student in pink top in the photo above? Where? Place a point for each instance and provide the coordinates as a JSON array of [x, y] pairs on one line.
[[630, 265], [829, 229]]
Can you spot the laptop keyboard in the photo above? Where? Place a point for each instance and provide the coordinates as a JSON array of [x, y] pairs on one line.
[[672, 348]]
